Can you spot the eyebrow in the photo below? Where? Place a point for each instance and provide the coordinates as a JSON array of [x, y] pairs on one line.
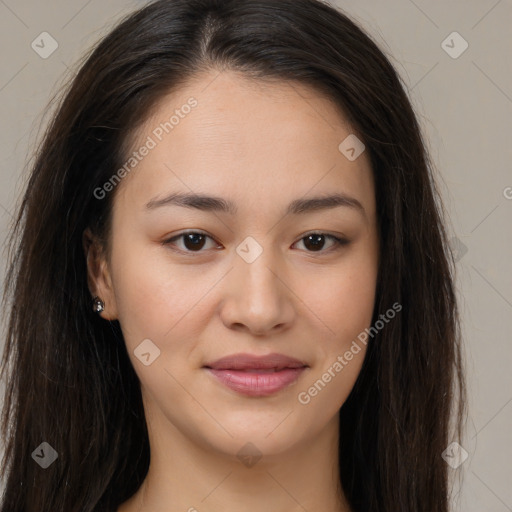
[[218, 204]]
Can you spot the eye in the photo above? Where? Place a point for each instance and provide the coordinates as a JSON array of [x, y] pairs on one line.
[[193, 241], [315, 242]]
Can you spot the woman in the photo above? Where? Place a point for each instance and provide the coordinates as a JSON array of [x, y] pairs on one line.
[[231, 281]]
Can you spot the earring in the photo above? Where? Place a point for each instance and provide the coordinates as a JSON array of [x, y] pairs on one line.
[[97, 305]]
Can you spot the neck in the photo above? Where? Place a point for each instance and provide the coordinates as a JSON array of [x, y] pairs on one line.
[[185, 476]]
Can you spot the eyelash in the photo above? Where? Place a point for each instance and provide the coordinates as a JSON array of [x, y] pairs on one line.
[[338, 242]]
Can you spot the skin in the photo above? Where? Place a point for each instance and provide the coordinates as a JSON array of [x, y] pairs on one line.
[[260, 145]]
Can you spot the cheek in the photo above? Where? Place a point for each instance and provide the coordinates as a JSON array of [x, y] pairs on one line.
[[345, 309], [343, 298], [154, 300]]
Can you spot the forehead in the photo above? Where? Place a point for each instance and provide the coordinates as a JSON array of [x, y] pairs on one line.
[[247, 136], [230, 103]]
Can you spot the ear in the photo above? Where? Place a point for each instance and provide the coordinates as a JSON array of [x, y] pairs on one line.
[[98, 274]]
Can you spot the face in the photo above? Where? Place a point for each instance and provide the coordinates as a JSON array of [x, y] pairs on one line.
[[260, 270]]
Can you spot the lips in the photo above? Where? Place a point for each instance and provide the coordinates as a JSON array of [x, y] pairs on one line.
[[256, 376], [271, 362]]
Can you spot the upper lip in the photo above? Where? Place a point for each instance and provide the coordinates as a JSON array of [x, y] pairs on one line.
[[249, 362]]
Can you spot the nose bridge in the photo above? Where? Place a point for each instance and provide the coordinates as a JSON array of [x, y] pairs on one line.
[[255, 270], [258, 298]]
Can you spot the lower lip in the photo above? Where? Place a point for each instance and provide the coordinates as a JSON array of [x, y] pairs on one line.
[[252, 383]]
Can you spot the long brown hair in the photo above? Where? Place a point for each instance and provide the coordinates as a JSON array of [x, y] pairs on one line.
[[69, 378]]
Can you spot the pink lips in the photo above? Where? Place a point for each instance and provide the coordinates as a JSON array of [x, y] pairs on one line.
[[257, 376]]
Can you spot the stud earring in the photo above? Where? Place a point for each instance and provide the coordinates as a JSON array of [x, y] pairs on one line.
[[97, 305]]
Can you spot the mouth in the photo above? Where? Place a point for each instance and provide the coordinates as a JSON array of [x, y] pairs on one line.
[[257, 382], [254, 370], [256, 376]]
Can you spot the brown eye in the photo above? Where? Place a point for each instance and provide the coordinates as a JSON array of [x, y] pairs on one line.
[[193, 241], [315, 242]]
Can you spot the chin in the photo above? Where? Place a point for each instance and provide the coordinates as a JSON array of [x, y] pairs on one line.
[[263, 432]]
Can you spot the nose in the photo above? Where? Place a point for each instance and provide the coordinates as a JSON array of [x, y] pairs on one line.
[[257, 297]]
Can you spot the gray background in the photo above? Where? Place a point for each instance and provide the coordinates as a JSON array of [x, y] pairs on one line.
[[465, 107]]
